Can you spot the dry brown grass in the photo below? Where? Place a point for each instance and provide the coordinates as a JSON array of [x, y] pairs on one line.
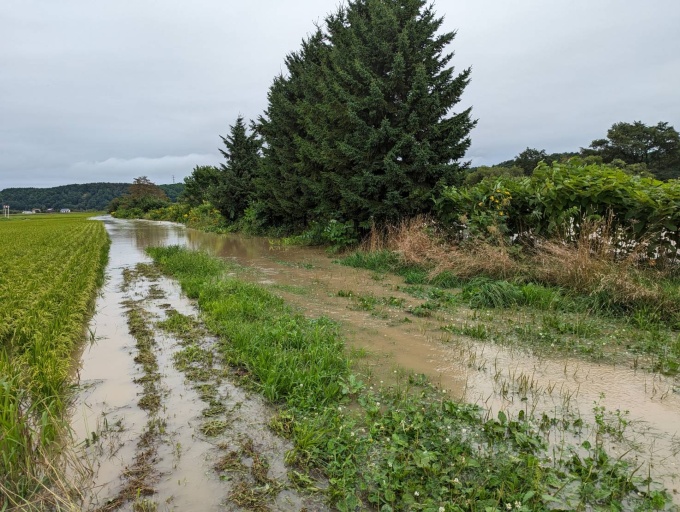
[[420, 241], [590, 264], [593, 264]]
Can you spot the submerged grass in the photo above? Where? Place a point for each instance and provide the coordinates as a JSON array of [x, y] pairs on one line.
[[654, 333], [591, 267], [403, 447]]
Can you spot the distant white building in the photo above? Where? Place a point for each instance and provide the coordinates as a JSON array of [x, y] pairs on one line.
[[65, 210]]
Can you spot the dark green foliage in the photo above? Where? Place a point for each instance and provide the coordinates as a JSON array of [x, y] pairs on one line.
[[289, 188], [90, 196], [528, 159], [362, 126], [657, 147], [555, 196], [391, 93], [83, 197], [477, 174], [200, 184], [173, 190], [235, 186], [143, 196]]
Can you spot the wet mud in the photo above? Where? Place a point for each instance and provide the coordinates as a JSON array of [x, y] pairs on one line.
[[387, 339]]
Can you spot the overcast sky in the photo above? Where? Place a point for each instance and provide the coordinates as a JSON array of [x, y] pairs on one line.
[[108, 90]]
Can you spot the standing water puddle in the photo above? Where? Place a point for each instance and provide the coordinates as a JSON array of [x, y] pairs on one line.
[[495, 377]]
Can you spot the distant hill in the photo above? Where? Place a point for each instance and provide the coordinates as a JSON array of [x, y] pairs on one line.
[[88, 196]]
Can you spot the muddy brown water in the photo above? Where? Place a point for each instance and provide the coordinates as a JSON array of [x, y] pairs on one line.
[[493, 376]]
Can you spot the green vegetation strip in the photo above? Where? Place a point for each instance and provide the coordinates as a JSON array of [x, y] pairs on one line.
[[52, 267], [400, 447], [630, 327]]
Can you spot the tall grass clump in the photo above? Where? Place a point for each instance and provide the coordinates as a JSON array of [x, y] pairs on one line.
[[483, 292], [404, 446], [53, 268]]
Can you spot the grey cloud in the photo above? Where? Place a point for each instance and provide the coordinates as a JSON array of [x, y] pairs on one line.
[[129, 84]]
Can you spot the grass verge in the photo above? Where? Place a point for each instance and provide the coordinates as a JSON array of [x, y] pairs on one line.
[[400, 447]]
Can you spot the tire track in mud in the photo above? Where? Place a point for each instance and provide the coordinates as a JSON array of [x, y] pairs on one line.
[[206, 444]]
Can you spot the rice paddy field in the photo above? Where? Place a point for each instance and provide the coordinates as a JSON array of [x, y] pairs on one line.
[[52, 267]]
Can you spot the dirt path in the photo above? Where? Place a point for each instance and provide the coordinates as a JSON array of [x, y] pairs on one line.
[[162, 430], [377, 316]]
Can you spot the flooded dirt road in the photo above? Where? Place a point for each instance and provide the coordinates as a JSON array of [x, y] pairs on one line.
[[152, 436], [495, 377]]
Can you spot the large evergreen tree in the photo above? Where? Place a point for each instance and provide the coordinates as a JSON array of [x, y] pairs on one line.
[[392, 92], [363, 125], [234, 190], [287, 187]]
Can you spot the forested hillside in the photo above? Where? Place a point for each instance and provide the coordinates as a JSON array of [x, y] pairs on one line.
[[88, 196]]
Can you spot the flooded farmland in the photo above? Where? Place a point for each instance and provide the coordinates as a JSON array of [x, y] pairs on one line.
[[180, 464]]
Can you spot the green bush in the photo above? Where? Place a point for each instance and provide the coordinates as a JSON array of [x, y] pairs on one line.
[[556, 200]]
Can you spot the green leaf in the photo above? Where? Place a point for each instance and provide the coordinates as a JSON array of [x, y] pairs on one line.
[[502, 417]]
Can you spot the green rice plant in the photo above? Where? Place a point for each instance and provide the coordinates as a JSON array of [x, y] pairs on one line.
[[52, 268]]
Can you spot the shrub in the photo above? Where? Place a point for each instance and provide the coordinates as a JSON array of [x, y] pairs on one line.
[[559, 200]]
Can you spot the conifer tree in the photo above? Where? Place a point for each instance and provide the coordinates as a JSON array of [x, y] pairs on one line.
[[362, 126], [287, 188], [235, 188], [392, 138]]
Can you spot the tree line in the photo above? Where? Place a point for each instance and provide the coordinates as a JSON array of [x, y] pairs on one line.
[[636, 148], [360, 128], [80, 197]]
